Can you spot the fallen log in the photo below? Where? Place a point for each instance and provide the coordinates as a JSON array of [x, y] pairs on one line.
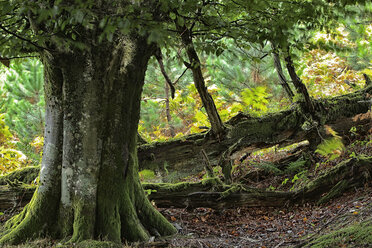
[[179, 158], [15, 196], [213, 193], [352, 173]]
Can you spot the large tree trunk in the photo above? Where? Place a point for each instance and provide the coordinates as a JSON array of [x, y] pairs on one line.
[[89, 185]]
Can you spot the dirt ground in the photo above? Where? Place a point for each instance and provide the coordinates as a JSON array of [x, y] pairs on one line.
[[267, 227]]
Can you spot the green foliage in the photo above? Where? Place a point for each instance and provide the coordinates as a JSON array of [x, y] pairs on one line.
[[10, 157], [23, 99], [296, 166], [331, 147], [255, 100], [23, 103], [270, 168], [146, 175]]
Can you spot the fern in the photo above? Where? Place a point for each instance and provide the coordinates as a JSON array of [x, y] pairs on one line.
[[296, 166], [271, 168], [331, 148]]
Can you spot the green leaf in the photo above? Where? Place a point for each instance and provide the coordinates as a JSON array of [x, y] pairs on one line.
[[172, 16]]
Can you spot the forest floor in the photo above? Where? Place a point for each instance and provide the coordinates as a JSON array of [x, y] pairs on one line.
[[259, 227], [270, 227]]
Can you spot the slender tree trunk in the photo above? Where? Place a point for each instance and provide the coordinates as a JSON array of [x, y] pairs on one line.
[[168, 83], [167, 110], [279, 70], [89, 177], [207, 100], [299, 85]]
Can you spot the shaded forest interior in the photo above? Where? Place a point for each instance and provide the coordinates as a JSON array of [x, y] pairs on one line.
[[174, 123]]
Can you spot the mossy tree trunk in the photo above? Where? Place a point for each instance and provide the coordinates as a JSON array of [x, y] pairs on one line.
[[89, 186]]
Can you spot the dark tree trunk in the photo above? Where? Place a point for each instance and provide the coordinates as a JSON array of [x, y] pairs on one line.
[[195, 64], [279, 70], [167, 110], [299, 85], [89, 184]]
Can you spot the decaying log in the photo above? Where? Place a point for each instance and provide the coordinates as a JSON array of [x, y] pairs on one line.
[[13, 197], [352, 173], [213, 193], [179, 158], [26, 175]]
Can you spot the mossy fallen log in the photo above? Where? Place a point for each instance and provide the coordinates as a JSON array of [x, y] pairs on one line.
[[25, 175], [15, 196], [213, 193], [351, 173], [182, 157]]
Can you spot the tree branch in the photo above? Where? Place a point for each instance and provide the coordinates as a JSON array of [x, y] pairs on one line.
[[159, 58], [24, 39]]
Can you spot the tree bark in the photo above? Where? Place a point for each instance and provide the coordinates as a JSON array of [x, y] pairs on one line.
[[168, 84], [89, 185], [195, 64]]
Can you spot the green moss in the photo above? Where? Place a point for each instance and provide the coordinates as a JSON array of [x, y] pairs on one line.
[[26, 175], [233, 189], [170, 187], [337, 190], [197, 137], [84, 216], [29, 224], [212, 181], [357, 235], [47, 243]]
